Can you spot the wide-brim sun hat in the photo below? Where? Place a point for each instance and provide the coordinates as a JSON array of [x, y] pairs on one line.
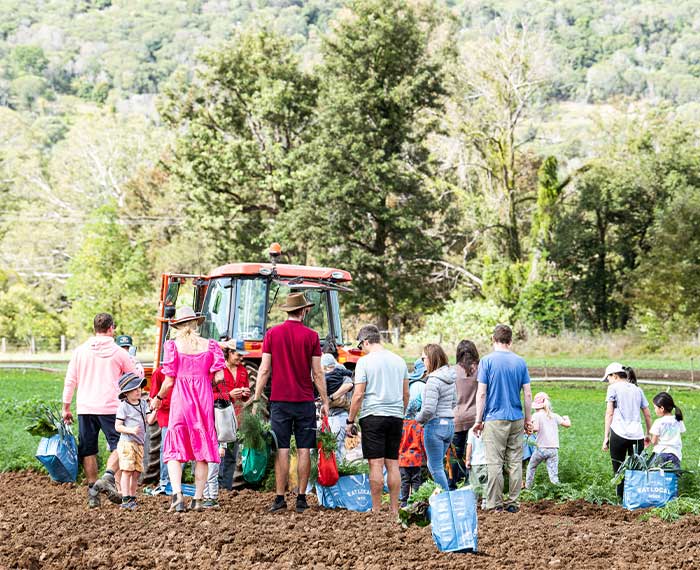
[[128, 382], [295, 302], [235, 345], [540, 400], [613, 368], [185, 315], [418, 370]]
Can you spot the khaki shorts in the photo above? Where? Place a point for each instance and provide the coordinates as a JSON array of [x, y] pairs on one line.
[[130, 456]]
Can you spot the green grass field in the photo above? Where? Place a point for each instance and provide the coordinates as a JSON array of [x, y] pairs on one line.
[[584, 470]]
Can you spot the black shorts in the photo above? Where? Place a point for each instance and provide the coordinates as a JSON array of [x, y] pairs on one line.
[[89, 426], [294, 417], [381, 436]]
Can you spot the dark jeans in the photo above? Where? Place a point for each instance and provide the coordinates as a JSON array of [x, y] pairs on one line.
[[227, 467], [459, 469], [411, 479], [620, 448]]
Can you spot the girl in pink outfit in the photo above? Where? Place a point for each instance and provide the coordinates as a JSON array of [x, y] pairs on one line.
[[546, 423], [190, 365]]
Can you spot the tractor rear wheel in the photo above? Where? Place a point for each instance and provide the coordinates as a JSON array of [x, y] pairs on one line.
[[151, 454]]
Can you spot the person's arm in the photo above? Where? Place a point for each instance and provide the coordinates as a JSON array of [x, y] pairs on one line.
[[151, 418], [430, 402], [480, 405], [609, 411], [320, 382], [406, 394], [565, 421], [468, 458], [163, 392], [344, 389], [527, 396], [69, 384], [654, 439], [121, 428], [357, 397], [263, 375], [647, 420]]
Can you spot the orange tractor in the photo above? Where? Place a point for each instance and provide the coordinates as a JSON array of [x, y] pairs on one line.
[[241, 301]]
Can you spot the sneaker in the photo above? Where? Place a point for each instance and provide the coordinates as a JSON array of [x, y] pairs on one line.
[[196, 505], [107, 485], [302, 505], [93, 498], [278, 506], [512, 509], [211, 504], [129, 505], [159, 490]]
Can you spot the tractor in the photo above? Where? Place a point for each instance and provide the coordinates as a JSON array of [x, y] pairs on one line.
[[241, 301]]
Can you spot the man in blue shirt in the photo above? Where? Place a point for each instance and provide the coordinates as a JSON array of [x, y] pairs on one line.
[[499, 414]]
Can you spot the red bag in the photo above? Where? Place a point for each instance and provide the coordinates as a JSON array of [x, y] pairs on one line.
[[327, 467]]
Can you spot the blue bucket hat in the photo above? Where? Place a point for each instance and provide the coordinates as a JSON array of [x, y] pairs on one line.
[[418, 370], [128, 382]]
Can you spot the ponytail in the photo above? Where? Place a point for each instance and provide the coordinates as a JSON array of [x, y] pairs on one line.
[[679, 414], [665, 401]]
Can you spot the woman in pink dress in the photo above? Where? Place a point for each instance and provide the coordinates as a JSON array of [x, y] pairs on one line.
[[191, 364]]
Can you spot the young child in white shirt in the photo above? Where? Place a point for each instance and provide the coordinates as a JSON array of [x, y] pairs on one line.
[[546, 423], [666, 431]]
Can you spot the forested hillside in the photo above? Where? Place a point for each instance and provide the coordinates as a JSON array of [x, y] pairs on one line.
[[536, 161]]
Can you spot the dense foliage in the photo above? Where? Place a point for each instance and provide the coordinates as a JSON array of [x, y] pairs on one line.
[[532, 161]]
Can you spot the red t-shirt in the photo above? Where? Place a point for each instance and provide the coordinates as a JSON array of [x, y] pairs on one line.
[[240, 381], [292, 345], [163, 412]]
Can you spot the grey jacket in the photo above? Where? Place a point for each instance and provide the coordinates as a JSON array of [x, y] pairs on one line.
[[440, 395]]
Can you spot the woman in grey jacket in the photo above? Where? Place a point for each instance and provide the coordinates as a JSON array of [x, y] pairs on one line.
[[439, 398]]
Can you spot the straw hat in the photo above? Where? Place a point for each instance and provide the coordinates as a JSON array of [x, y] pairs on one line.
[[296, 301], [185, 315]]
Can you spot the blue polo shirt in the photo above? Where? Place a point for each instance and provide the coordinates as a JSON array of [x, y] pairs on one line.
[[504, 373]]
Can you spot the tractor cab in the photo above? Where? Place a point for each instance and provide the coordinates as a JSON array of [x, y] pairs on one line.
[[241, 301]]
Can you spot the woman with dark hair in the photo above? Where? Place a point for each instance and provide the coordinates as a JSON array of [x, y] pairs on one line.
[[465, 410], [436, 413], [623, 429]]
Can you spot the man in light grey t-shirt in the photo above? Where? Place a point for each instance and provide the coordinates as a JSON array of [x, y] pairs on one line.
[[381, 391]]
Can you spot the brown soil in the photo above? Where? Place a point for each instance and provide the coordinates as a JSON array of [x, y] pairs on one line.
[[45, 526]]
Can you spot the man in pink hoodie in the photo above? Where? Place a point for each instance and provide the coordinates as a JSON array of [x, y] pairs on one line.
[[94, 370]]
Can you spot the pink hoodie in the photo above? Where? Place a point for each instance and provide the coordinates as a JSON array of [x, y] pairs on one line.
[[94, 370]]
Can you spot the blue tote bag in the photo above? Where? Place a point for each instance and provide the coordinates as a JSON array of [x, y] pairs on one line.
[[453, 520], [652, 488], [59, 455], [350, 492]]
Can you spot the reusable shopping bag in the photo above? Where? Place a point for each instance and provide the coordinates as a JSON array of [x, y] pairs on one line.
[[254, 463], [225, 420], [652, 488], [453, 520], [59, 454], [351, 492], [327, 466]]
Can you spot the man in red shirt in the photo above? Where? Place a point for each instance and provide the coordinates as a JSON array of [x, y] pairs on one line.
[[291, 355]]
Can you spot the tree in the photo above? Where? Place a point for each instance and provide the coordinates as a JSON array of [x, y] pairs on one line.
[[23, 315], [370, 208], [110, 274], [242, 121]]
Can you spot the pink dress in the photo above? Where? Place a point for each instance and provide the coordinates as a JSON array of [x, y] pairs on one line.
[[191, 434]]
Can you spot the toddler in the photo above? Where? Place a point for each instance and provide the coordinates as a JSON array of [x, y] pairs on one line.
[[475, 462], [666, 431], [132, 417], [546, 423], [411, 449]]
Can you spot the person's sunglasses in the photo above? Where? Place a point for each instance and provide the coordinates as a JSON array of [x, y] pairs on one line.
[[359, 344]]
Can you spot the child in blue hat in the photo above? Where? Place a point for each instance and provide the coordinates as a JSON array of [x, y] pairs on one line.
[[132, 417]]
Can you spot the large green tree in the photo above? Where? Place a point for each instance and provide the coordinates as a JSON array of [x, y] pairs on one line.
[[370, 207], [242, 120]]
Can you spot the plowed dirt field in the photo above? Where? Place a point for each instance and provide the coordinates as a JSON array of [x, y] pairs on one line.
[[44, 525]]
